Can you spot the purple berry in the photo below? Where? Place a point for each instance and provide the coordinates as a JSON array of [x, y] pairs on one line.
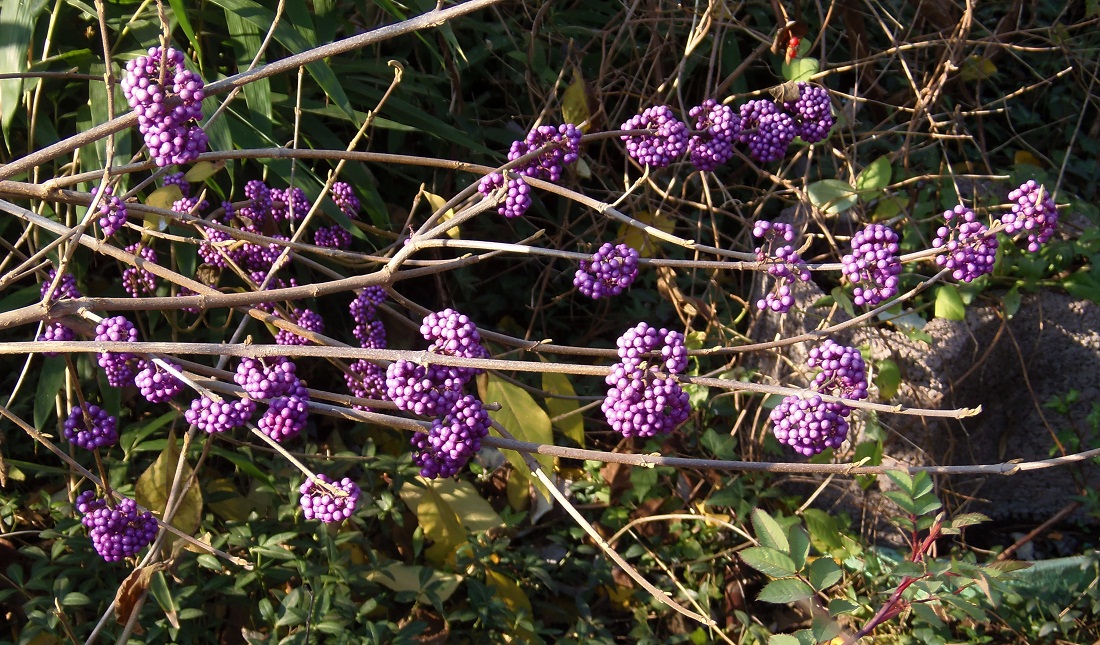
[[517, 198], [426, 390], [766, 130], [171, 134], [1033, 211], [157, 385], [119, 366], [66, 288], [612, 269], [447, 447], [843, 371], [366, 381], [267, 378], [636, 345], [306, 319], [549, 164], [285, 418], [178, 179], [137, 281], [56, 331], [288, 204], [668, 140], [112, 212], [966, 246], [812, 112], [344, 196], [873, 262], [90, 427], [118, 532], [219, 416], [719, 126], [783, 263], [809, 425], [318, 503], [332, 237]]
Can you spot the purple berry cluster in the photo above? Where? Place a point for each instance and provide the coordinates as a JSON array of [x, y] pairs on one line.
[[766, 130], [1033, 211], [219, 416], [432, 390], [344, 196], [66, 287], [368, 330], [812, 112], [332, 237], [667, 140], [56, 331], [843, 371], [641, 402], [137, 281], [366, 381], [157, 384], [453, 334], [718, 126], [318, 503], [267, 378], [811, 425], [90, 427], [784, 264], [966, 246], [117, 532], [119, 366], [612, 269], [289, 204], [286, 417], [256, 213], [179, 180], [453, 439], [171, 134], [873, 265], [564, 143], [308, 320], [112, 212], [517, 198]]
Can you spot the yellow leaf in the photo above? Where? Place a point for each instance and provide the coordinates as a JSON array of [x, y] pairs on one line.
[[437, 202], [521, 416], [162, 197], [518, 490], [976, 68], [204, 170], [572, 425], [516, 601], [403, 577], [574, 103], [638, 239], [446, 510], [155, 483], [1025, 156]]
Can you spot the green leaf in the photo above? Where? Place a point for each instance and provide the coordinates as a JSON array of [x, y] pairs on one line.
[[875, 176], [785, 591], [75, 599], [769, 532], [841, 298], [783, 639], [769, 561], [564, 412], [832, 196], [888, 208], [800, 69], [902, 479], [824, 529], [903, 500], [292, 39], [179, 12], [1012, 301], [949, 304], [800, 545], [839, 606], [18, 18], [521, 415], [412, 578], [51, 378], [824, 573], [257, 95], [574, 102], [872, 452], [887, 378]]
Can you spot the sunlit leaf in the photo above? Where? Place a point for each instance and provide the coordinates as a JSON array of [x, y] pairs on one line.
[[800, 69], [571, 426], [949, 304], [887, 378], [521, 415], [203, 170], [514, 597], [876, 176], [404, 577], [832, 195], [768, 531], [154, 485], [785, 591], [574, 103], [638, 239], [437, 202], [769, 561]]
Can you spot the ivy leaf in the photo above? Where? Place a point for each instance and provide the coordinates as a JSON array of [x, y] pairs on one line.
[[949, 303], [832, 196], [785, 591]]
